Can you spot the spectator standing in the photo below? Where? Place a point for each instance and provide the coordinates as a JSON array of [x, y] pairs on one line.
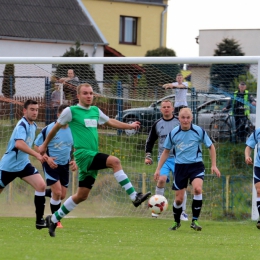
[[71, 77], [181, 89], [240, 109], [55, 100], [73, 80]]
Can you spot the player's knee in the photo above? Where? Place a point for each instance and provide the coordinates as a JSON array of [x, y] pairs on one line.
[[161, 182], [41, 186], [178, 201], [114, 162], [258, 191], [57, 193], [197, 190]]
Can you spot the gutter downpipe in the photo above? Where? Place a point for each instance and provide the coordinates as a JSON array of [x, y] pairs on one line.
[[162, 25]]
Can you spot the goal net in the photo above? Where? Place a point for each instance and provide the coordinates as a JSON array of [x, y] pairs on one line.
[[131, 89]]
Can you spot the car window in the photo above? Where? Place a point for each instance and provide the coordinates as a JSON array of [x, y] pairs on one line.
[[213, 106]]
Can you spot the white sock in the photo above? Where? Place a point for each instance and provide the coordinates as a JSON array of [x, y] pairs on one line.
[[184, 201], [159, 191]]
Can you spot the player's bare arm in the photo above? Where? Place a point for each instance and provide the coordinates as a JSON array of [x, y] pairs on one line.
[[214, 169], [248, 158], [21, 145], [168, 85], [161, 162], [73, 165], [52, 133], [120, 125], [49, 160]]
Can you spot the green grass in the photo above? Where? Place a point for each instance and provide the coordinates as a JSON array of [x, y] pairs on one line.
[[128, 238]]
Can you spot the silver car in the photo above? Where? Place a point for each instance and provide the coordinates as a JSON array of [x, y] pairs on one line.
[[214, 108]]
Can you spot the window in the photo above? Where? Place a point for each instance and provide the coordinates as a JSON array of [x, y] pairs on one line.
[[128, 30]]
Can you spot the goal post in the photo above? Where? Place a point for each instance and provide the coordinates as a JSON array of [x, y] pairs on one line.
[[128, 89]]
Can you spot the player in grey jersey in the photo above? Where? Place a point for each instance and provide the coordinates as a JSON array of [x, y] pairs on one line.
[[160, 129]]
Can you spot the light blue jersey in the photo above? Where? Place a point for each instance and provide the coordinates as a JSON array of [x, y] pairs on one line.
[[60, 146], [187, 144], [15, 160], [252, 141]]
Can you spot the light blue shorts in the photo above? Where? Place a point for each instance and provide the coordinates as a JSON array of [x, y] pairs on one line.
[[168, 166]]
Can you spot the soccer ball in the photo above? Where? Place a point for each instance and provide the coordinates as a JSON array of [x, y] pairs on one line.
[[157, 204]]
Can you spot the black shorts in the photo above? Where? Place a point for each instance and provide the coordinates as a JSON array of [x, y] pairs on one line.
[[61, 173], [185, 172], [256, 174], [7, 177], [99, 162]]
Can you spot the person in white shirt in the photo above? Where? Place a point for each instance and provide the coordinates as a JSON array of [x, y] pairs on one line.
[[181, 89]]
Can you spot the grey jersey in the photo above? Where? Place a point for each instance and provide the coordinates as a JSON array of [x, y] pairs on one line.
[[160, 129]]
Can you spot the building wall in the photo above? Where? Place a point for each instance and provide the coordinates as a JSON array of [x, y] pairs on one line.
[[10, 48], [200, 78], [106, 15], [248, 39], [34, 86]]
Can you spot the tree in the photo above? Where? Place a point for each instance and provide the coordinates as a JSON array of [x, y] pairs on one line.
[[8, 85], [223, 75], [159, 74], [84, 72]]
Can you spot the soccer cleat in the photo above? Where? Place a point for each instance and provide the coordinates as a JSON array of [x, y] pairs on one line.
[[155, 215], [140, 198], [184, 216], [195, 225], [52, 226], [59, 225], [41, 224], [175, 226], [258, 224]]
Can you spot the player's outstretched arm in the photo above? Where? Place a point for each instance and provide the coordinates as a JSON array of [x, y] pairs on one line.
[[120, 125], [214, 169], [22, 146], [248, 158], [49, 137]]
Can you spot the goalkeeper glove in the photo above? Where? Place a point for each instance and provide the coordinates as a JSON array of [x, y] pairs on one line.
[[148, 156]]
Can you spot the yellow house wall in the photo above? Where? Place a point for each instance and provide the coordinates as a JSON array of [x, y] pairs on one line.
[[106, 15]]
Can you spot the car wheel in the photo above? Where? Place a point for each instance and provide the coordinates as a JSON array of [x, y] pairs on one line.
[[220, 131], [130, 132]]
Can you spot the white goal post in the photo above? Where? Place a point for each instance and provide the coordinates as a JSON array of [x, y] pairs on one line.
[[141, 96]]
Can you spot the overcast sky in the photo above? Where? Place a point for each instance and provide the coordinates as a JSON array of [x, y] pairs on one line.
[[186, 18]]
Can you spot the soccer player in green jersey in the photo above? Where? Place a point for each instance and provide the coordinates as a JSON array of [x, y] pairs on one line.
[[83, 120]]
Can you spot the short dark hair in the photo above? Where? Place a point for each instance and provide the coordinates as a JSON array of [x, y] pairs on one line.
[[29, 102], [242, 83], [61, 108]]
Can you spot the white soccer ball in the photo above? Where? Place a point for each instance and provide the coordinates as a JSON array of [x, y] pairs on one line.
[[157, 204]]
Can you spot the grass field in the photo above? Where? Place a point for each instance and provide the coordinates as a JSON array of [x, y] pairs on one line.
[[128, 238]]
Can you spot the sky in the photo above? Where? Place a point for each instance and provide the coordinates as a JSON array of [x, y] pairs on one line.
[[187, 17]]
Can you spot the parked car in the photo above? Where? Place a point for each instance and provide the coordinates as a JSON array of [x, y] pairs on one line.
[[148, 115], [206, 111]]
